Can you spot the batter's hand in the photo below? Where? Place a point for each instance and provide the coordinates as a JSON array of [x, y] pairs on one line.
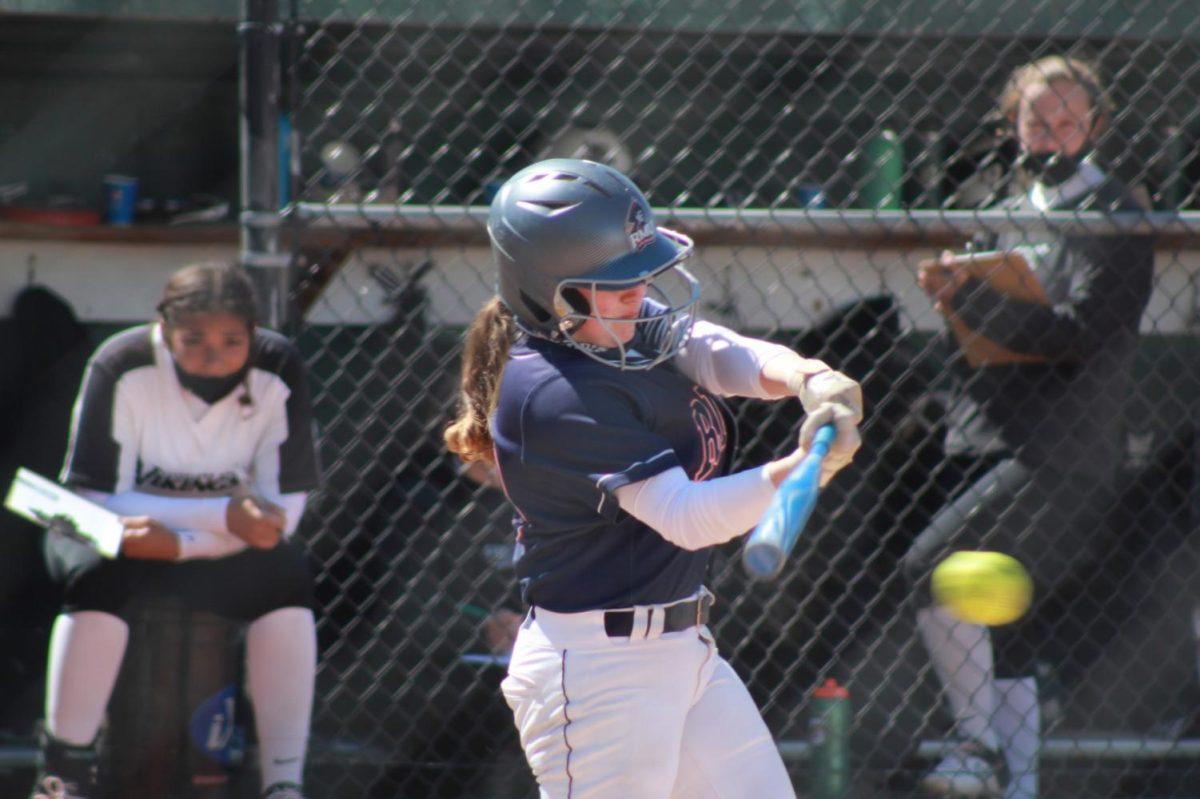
[[257, 521], [148, 539], [828, 385], [841, 452]]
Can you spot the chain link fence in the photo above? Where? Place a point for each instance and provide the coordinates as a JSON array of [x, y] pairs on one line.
[[817, 150]]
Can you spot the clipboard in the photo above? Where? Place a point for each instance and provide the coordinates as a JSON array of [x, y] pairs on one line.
[[61, 510], [1005, 271]]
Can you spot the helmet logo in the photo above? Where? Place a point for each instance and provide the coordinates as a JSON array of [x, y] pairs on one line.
[[637, 226]]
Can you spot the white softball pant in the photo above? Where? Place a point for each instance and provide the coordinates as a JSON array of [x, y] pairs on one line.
[[653, 716]]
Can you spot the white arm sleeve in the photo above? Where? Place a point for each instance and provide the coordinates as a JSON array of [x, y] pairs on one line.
[[198, 521], [694, 515], [195, 544], [212, 544], [193, 513], [727, 363]]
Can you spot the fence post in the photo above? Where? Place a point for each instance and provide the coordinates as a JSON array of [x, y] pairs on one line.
[[260, 88]]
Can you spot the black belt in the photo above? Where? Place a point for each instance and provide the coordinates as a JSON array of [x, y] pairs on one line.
[[680, 616]]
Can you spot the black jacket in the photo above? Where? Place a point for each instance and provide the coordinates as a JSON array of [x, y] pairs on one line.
[[1065, 413]]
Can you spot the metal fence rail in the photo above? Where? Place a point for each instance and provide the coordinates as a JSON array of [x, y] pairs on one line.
[[753, 221], [817, 152]]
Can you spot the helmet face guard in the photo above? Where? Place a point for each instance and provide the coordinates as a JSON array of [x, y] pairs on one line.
[[568, 224], [661, 327]]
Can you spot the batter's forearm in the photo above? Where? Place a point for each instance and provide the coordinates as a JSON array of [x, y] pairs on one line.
[[787, 374], [695, 515], [733, 365]]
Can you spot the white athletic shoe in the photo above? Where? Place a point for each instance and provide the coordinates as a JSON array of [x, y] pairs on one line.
[[970, 770], [283, 790]]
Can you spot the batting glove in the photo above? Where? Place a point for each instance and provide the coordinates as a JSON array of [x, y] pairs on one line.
[[827, 385], [845, 444]]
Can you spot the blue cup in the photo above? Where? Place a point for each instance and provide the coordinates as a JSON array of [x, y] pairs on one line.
[[120, 192]]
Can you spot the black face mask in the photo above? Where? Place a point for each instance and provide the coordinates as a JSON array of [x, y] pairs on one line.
[[211, 389], [1052, 169]]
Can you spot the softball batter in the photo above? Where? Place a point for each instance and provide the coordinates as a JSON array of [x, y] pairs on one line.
[[588, 384]]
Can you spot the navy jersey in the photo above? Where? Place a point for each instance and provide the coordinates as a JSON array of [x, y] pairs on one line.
[[569, 431]]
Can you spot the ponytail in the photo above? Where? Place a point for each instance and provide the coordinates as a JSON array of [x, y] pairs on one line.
[[484, 355]]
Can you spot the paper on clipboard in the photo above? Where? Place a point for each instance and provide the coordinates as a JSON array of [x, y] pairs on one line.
[[47, 503], [1005, 271]]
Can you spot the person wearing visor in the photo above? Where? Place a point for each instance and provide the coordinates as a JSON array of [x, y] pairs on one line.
[[590, 385], [1033, 444]]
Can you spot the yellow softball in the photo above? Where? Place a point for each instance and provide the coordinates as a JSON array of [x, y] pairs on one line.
[[983, 587]]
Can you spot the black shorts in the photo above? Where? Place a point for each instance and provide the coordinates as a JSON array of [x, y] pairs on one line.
[[239, 587]]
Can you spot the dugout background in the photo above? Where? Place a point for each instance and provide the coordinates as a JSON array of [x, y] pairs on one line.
[[816, 151]]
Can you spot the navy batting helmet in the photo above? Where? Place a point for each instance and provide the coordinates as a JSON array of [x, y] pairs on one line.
[[566, 224]]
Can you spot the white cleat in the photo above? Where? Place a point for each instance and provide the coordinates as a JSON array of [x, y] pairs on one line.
[[283, 790], [968, 771]]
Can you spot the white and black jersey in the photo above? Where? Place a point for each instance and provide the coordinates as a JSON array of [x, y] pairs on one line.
[[142, 444], [135, 428]]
